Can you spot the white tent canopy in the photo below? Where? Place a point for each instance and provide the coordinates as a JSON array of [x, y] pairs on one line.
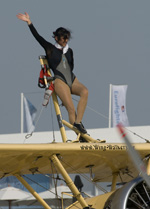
[[12, 193], [9, 194]]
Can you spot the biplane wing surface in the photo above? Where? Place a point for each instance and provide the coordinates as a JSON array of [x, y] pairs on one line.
[[103, 159]]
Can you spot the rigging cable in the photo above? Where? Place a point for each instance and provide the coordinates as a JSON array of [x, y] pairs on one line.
[[30, 134], [37, 120], [46, 188], [52, 119], [137, 135], [85, 176], [106, 117], [102, 115], [55, 182]]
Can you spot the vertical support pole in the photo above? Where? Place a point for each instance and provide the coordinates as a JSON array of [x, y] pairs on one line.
[[59, 117], [69, 181], [33, 192], [43, 61], [9, 204], [110, 92], [22, 113], [114, 181], [148, 167]]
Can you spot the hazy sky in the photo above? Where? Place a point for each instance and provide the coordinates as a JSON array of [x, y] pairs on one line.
[[111, 43]]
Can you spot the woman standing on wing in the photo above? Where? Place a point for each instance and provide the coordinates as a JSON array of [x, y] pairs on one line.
[[60, 60]]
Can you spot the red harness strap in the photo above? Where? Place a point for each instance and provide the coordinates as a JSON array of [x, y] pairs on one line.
[[41, 83], [43, 73]]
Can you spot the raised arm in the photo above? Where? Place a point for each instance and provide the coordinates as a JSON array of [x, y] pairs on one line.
[[24, 17]]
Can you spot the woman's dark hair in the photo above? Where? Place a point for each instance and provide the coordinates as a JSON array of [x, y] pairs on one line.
[[62, 32]]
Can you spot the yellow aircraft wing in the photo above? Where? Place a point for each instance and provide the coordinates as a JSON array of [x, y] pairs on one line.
[[105, 159]]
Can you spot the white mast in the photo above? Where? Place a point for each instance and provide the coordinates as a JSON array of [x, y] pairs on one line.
[[110, 100], [22, 112]]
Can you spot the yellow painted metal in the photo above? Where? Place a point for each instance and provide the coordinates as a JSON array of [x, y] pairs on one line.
[[59, 117], [97, 202], [114, 181], [43, 61], [85, 136], [69, 181], [148, 167], [33, 192], [106, 158], [62, 198]]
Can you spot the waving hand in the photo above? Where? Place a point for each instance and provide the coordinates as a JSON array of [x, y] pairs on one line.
[[24, 17]]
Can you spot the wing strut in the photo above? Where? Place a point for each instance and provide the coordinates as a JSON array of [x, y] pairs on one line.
[[69, 181], [148, 167], [86, 136], [33, 192], [114, 181]]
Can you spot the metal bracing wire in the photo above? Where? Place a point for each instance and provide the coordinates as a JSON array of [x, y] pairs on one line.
[[107, 118], [84, 176]]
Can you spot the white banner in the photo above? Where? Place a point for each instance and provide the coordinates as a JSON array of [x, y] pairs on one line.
[[30, 114], [119, 113]]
